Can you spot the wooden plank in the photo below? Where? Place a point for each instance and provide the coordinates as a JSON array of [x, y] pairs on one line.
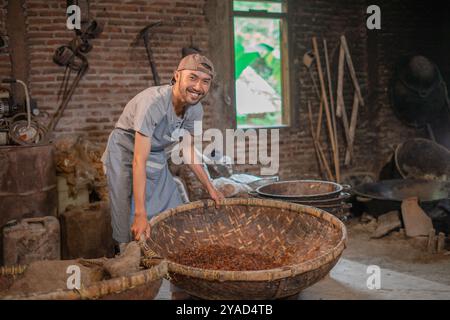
[[416, 221], [352, 69]]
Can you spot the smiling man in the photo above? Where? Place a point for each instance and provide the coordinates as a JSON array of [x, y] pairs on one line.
[[140, 183]]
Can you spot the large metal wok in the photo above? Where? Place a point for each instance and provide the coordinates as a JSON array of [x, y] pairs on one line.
[[387, 195], [399, 190]]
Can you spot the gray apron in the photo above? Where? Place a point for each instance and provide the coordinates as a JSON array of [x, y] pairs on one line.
[[161, 190]]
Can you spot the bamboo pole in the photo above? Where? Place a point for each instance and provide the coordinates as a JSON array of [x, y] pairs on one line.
[[341, 112], [333, 115], [324, 94], [319, 121], [352, 130], [349, 60], [323, 164]]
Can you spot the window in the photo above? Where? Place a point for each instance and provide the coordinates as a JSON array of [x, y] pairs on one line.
[[260, 63]]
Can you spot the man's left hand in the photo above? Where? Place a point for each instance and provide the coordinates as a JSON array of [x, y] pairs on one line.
[[216, 195]]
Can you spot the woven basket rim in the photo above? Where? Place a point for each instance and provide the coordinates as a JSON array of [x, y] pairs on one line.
[[127, 282], [258, 275]]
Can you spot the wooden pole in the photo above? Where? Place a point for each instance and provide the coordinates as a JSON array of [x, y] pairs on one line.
[[324, 94], [352, 130], [352, 69], [319, 121], [341, 112], [333, 115], [325, 162], [319, 159]]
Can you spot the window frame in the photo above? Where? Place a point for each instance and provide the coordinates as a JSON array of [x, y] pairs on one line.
[[285, 57]]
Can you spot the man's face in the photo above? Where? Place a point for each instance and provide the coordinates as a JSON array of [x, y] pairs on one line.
[[192, 86]]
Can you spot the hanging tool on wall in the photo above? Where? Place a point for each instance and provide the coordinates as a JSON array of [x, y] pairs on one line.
[[79, 64], [145, 35], [73, 58], [18, 122]]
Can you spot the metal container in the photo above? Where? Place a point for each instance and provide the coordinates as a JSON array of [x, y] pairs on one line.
[[399, 190], [301, 190], [384, 196], [27, 183], [337, 206], [31, 240], [86, 232]]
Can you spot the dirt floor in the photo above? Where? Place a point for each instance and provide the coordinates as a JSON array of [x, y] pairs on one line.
[[395, 252]]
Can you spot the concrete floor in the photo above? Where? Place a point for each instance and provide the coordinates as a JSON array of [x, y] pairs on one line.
[[406, 271]]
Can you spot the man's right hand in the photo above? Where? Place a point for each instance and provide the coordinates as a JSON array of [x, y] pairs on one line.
[[140, 226]]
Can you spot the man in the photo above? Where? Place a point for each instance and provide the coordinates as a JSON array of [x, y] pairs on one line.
[[140, 183]]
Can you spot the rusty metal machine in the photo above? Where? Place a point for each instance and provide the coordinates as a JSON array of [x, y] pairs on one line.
[[19, 123]]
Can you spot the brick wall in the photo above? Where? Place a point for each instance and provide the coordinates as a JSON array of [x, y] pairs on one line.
[[117, 71]]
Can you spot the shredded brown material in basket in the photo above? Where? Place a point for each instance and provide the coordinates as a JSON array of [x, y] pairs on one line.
[[228, 258]]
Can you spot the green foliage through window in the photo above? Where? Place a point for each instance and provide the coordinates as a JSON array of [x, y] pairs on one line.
[[258, 66]]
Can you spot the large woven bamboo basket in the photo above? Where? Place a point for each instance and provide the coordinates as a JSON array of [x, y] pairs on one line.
[[260, 225], [142, 285]]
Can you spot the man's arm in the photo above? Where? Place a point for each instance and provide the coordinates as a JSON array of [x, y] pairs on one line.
[[199, 171], [142, 145]]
